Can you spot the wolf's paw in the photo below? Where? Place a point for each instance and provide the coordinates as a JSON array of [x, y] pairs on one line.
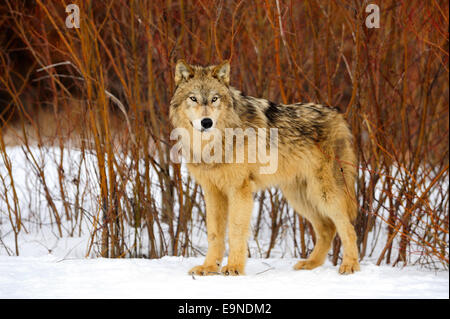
[[233, 270], [203, 270], [306, 264], [348, 267]]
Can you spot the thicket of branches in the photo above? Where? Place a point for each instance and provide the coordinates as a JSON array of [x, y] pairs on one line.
[[104, 89]]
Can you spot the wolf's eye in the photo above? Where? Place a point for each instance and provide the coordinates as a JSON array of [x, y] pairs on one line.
[[193, 98], [214, 99]]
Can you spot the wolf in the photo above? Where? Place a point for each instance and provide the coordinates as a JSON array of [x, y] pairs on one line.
[[316, 168]]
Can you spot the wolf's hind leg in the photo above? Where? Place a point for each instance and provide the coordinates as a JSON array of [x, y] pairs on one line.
[[325, 232], [295, 193], [332, 202], [347, 234], [336, 211]]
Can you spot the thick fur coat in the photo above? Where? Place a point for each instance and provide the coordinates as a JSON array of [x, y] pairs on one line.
[[316, 166]]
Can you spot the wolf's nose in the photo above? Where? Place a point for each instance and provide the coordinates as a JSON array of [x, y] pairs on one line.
[[207, 123]]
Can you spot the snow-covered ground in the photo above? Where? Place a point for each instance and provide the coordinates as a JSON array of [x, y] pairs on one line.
[[52, 277], [54, 266]]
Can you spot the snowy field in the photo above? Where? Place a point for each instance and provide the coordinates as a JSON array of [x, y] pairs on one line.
[[51, 266], [52, 277]]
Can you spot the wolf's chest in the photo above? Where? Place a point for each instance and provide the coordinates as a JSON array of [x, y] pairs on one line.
[[223, 176]]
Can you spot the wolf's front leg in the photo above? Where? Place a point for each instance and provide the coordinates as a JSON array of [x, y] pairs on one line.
[[216, 221], [240, 211]]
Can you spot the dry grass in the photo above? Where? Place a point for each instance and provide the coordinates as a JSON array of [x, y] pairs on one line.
[[111, 95]]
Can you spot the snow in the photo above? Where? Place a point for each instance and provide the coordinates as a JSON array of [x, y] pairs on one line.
[[54, 266], [52, 277]]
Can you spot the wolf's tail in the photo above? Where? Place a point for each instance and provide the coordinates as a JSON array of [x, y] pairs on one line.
[[350, 198], [346, 168]]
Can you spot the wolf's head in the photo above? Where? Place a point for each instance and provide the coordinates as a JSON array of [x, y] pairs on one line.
[[202, 95]]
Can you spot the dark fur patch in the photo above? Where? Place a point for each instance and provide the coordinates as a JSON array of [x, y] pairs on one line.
[[250, 111], [272, 112]]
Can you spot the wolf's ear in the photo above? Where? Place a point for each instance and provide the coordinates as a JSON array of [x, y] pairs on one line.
[[222, 72], [183, 71]]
